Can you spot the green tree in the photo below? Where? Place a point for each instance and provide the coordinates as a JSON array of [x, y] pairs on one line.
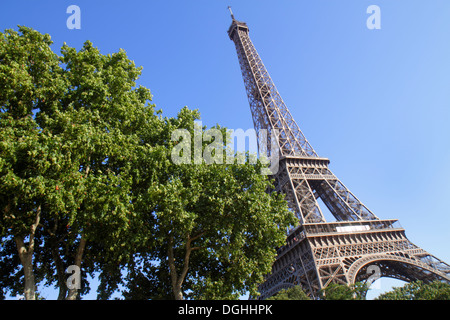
[[336, 291], [68, 138], [216, 228], [292, 293], [87, 179], [418, 290], [28, 70]]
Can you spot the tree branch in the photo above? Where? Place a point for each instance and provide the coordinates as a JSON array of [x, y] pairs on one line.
[[26, 258], [185, 262], [198, 235], [177, 280], [78, 258], [80, 251], [173, 270], [33, 229]]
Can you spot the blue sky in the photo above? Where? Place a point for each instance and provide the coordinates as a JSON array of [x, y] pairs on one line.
[[376, 102]]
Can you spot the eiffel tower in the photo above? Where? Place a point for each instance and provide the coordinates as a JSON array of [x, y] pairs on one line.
[[358, 246]]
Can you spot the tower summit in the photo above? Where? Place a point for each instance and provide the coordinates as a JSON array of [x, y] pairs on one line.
[[231, 12], [318, 252]]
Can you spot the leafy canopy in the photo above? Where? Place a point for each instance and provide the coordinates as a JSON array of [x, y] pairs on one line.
[[418, 290], [292, 293], [86, 178]]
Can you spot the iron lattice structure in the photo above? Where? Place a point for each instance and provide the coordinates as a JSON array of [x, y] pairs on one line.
[[318, 252]]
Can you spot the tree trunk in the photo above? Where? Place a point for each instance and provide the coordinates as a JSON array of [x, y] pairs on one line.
[[177, 281], [173, 272], [59, 273], [26, 258], [73, 293]]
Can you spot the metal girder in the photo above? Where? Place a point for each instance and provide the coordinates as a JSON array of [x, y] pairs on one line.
[[318, 252]]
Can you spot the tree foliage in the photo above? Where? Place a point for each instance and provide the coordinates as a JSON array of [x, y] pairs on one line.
[[418, 290], [292, 293], [86, 179], [216, 228], [68, 135], [336, 291]]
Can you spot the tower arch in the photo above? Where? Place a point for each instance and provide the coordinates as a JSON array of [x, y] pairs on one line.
[[395, 266]]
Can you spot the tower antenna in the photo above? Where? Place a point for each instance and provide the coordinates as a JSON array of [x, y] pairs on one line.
[[231, 12]]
